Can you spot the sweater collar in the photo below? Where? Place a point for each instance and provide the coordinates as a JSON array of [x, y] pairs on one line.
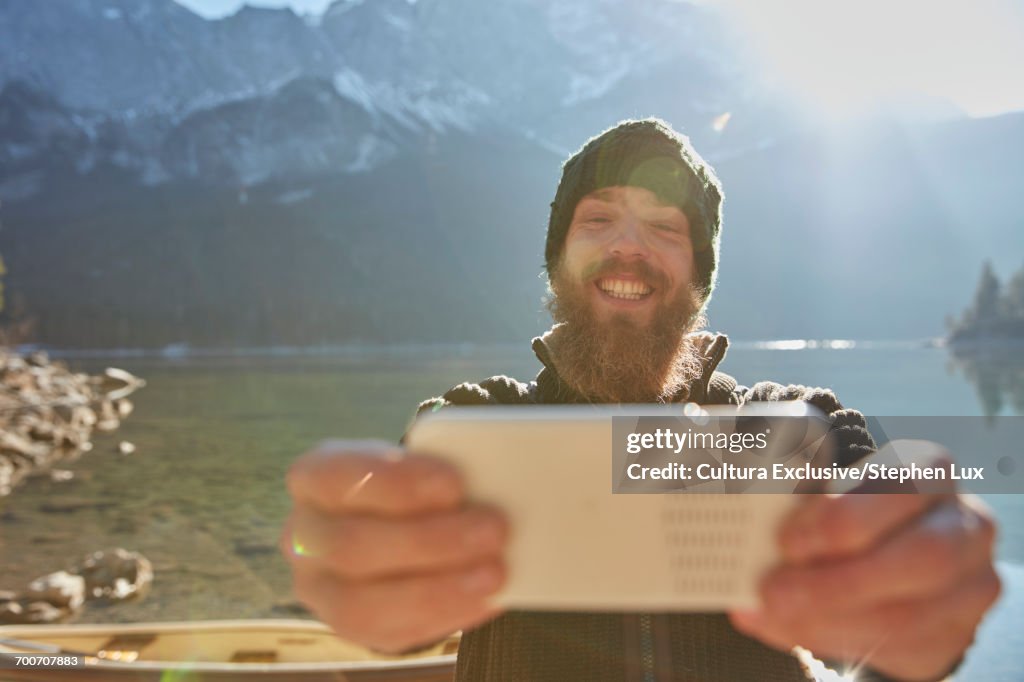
[[711, 346]]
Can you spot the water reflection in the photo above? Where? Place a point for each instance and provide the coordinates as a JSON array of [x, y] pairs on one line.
[[997, 374]]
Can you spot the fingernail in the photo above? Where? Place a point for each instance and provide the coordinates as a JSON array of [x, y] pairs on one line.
[[480, 580]]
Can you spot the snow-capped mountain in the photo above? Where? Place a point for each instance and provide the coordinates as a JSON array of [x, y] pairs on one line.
[[228, 99], [383, 172], [139, 58]]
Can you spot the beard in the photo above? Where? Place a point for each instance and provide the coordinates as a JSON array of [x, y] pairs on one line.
[[616, 360]]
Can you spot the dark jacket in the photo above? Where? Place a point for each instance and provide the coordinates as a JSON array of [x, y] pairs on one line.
[[540, 647]]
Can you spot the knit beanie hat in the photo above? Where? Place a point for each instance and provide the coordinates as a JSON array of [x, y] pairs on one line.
[[644, 153]]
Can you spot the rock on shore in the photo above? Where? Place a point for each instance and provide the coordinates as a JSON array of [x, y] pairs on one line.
[[48, 413], [113, 575]]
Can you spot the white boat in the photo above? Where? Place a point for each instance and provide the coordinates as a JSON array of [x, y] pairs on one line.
[[215, 651]]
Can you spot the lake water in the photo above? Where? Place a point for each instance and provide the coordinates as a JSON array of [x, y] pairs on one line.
[[203, 498]]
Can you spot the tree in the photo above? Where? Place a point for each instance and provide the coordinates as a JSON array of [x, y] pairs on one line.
[[995, 312], [1013, 299], [985, 307]]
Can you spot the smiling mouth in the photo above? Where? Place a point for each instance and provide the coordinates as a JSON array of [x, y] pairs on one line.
[[624, 289]]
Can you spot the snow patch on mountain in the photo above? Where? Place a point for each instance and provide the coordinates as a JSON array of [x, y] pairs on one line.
[[397, 22], [211, 99], [583, 87], [350, 84], [558, 150], [153, 173], [370, 153], [426, 105], [293, 196]]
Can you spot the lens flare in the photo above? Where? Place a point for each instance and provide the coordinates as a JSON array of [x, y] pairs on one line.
[[299, 548]]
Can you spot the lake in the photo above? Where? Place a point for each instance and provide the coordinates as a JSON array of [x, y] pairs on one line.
[[202, 497]]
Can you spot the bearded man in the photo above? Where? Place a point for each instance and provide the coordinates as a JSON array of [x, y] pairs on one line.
[[402, 559]]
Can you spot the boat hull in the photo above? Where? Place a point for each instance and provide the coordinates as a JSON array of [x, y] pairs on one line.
[[214, 651]]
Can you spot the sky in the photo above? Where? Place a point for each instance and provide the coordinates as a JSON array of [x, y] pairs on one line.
[[844, 55]]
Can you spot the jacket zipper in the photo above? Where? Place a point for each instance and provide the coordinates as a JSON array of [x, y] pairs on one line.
[[646, 649], [648, 652]]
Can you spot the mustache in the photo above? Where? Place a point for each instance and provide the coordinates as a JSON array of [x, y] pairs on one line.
[[614, 266]]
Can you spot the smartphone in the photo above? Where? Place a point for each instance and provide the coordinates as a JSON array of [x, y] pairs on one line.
[[576, 544]]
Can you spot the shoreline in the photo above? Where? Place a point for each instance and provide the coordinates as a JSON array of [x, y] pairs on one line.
[[48, 413], [369, 350]]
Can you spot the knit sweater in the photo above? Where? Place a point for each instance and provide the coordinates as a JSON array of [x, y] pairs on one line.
[[542, 646]]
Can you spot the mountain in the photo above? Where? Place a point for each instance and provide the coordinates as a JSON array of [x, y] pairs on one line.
[[150, 67], [143, 58], [382, 173], [254, 140]]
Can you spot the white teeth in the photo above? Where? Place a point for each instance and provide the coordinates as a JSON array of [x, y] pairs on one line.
[[629, 290]]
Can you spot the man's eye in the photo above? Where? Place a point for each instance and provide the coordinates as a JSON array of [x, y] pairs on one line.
[[598, 219], [667, 227]]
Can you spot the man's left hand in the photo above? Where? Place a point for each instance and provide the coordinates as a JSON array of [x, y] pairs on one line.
[[894, 582]]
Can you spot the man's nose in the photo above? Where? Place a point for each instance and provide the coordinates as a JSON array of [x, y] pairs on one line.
[[629, 240]]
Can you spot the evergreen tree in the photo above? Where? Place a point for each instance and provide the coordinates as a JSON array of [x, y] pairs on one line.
[[1013, 299], [995, 312], [986, 306]]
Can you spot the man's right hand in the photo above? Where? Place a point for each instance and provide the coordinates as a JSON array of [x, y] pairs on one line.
[[384, 548]]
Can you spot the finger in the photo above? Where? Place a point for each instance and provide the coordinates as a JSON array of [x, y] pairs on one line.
[[832, 526], [360, 547], [372, 477], [398, 614], [936, 636], [950, 540], [910, 638], [837, 525]]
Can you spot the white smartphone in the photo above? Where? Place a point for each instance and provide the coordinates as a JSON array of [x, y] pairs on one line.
[[576, 545]]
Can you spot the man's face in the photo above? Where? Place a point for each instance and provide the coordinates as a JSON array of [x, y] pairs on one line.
[[624, 297], [627, 256]]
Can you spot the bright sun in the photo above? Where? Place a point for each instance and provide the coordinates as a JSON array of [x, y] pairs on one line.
[[845, 56]]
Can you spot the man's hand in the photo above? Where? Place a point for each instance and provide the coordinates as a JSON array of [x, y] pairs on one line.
[[895, 582], [385, 550]]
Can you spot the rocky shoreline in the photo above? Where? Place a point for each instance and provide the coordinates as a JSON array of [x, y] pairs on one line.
[[48, 413], [47, 417]]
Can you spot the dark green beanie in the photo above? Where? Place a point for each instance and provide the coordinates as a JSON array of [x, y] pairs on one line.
[[649, 154]]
